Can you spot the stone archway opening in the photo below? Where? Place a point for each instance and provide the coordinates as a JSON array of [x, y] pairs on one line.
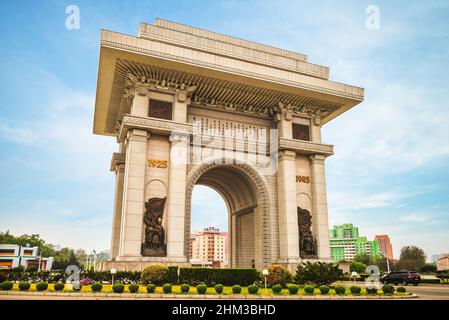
[[243, 200], [209, 245]]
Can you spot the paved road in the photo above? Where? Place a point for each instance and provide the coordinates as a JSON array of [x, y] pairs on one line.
[[424, 291], [430, 292]]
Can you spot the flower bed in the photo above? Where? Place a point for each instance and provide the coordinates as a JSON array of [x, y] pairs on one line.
[[225, 290]]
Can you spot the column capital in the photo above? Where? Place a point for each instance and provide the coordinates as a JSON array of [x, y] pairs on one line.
[[137, 134], [176, 137], [287, 155], [118, 161], [317, 158]]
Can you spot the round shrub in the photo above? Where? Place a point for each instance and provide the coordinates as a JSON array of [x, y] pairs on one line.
[[371, 290], [236, 289], [42, 286], [253, 289], [77, 286], [156, 274], [59, 286], [6, 285], [219, 288], [340, 290], [324, 289], [388, 289], [293, 288], [355, 289], [401, 289], [167, 288], [278, 275], [277, 288], [185, 288], [151, 288], [133, 288], [118, 288], [24, 286], [201, 288], [309, 289], [96, 287]]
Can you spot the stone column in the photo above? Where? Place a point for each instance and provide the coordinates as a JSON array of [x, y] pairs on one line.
[[176, 198], [316, 129], [133, 194], [288, 221], [118, 205], [319, 206], [141, 102]]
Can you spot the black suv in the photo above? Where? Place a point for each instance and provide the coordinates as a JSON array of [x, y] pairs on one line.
[[404, 278]]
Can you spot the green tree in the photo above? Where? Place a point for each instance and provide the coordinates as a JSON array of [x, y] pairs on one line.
[[366, 259], [411, 259], [34, 240], [318, 273], [358, 267], [429, 268]]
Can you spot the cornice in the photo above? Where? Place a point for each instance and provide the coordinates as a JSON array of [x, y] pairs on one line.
[[306, 147], [153, 125]]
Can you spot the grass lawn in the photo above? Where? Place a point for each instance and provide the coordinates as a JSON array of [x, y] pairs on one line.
[[176, 289]]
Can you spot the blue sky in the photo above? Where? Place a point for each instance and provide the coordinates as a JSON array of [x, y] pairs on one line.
[[389, 173]]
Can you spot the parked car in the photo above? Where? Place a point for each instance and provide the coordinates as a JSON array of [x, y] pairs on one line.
[[403, 277]]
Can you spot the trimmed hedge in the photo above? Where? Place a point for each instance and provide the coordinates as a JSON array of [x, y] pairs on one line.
[[185, 288], [340, 290], [118, 288], [42, 286], [277, 288], [59, 286], [6, 285], [309, 289], [157, 274], [355, 289], [401, 289], [172, 274], [24, 286], [151, 288], [133, 288], [253, 289], [324, 289], [96, 287], [236, 289], [388, 289], [372, 290], [211, 277], [431, 281], [219, 288], [201, 288], [167, 288], [293, 288]]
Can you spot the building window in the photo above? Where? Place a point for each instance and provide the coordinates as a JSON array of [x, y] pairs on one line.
[[160, 109], [301, 132]]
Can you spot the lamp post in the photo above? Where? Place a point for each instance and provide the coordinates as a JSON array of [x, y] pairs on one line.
[[354, 275], [113, 272], [265, 274]]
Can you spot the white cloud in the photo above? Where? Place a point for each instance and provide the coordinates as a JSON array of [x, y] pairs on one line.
[[22, 136], [415, 218]]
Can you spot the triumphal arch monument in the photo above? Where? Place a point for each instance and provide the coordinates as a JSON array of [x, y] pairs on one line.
[[189, 106]]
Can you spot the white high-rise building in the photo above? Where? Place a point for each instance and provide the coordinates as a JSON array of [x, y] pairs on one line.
[[209, 248]]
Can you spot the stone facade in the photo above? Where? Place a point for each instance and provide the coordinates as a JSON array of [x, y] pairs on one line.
[[189, 106]]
